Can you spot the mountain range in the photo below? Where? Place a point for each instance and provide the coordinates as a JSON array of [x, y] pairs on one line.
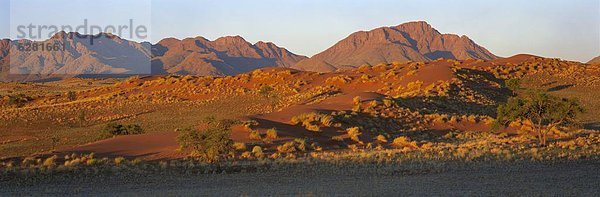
[[224, 56], [596, 60], [230, 55], [413, 41]]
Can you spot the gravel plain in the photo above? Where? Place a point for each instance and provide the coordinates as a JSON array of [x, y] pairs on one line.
[[576, 178]]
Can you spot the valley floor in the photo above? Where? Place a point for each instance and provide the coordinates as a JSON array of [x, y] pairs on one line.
[[572, 178]]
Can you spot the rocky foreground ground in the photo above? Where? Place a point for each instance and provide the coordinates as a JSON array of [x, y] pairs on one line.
[[521, 178]]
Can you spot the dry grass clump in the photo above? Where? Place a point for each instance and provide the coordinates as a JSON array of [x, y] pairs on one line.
[[364, 68], [404, 142], [272, 133], [288, 147], [254, 135], [249, 124], [120, 160], [50, 161], [354, 134], [356, 101], [339, 79], [17, 100], [239, 146], [338, 138], [266, 91], [381, 139], [257, 151], [314, 121], [293, 146]]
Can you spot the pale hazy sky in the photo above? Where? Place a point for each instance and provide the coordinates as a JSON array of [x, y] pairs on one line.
[[568, 29]]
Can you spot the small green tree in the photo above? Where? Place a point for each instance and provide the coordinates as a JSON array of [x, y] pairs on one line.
[[55, 139], [513, 84], [207, 144], [265, 90], [19, 100], [71, 96], [133, 129], [210, 119], [111, 129], [82, 119], [546, 112], [114, 129]]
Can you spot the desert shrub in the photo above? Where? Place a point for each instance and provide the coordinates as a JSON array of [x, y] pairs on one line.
[[272, 133], [342, 79], [258, 152], [113, 129], [239, 146], [254, 135], [370, 107], [55, 139], [19, 100], [513, 84], [411, 73], [365, 77], [224, 123], [313, 121], [250, 123], [299, 119], [381, 138], [364, 68], [133, 129], [293, 146], [288, 147], [300, 144], [246, 154], [120, 160], [82, 118], [356, 101], [207, 144], [265, 90], [338, 138], [71, 96], [91, 161], [210, 119], [326, 120], [50, 161], [401, 142], [388, 103], [354, 133], [312, 127], [315, 146]]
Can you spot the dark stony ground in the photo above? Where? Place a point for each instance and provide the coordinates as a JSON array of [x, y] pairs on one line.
[[576, 178]]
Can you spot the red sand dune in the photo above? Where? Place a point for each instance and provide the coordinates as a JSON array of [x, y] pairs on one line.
[[151, 146]]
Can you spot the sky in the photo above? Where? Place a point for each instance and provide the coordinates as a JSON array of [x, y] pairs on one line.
[[567, 29]]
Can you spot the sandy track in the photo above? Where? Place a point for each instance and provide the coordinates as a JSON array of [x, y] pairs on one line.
[[530, 179]]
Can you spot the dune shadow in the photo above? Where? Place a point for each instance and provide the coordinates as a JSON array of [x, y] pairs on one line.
[[444, 105], [549, 83], [458, 106], [592, 126], [440, 54], [298, 131], [560, 87]]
